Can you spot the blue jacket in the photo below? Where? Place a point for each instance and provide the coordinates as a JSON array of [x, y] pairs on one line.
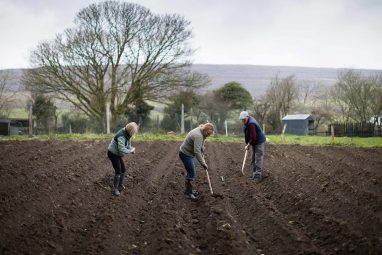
[[253, 132]]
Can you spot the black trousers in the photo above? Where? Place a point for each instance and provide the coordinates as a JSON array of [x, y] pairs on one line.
[[117, 162]]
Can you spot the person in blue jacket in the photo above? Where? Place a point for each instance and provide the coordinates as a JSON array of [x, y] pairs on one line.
[[254, 137], [119, 146]]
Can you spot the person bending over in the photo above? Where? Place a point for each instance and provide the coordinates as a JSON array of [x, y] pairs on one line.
[[193, 147], [119, 146]]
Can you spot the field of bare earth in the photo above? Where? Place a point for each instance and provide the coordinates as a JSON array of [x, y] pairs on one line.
[[55, 198]]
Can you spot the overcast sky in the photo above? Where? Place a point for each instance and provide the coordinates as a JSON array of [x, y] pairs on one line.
[[315, 33]]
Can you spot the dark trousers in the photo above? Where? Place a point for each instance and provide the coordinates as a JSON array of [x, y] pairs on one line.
[[189, 164], [257, 157], [117, 162]]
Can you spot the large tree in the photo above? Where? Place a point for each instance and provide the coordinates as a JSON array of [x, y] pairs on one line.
[[117, 52], [232, 96], [359, 96]]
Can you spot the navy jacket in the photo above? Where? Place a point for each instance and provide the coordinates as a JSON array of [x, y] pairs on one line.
[[253, 132]]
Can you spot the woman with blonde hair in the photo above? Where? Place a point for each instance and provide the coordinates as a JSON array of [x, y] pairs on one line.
[[119, 146], [193, 146]]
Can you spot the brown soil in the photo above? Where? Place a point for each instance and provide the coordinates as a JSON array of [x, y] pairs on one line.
[[55, 198]]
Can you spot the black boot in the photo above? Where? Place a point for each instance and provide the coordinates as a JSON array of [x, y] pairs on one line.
[[116, 181], [188, 192], [120, 185], [188, 187], [256, 176]]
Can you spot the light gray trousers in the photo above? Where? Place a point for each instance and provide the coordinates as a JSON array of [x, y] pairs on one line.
[[257, 157]]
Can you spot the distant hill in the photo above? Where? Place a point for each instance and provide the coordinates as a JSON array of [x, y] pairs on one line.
[[257, 78], [14, 82], [253, 77]]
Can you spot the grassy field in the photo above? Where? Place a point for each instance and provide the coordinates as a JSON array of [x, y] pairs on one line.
[[369, 142], [366, 142]]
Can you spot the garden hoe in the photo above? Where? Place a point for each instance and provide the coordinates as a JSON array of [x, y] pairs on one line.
[[209, 183], [245, 157]]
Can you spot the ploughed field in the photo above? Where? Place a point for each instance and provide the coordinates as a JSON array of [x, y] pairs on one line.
[[55, 198]]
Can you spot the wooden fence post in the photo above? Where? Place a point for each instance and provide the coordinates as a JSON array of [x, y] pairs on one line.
[[282, 133], [182, 120]]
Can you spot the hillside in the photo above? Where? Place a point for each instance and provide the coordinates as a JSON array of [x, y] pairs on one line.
[[254, 78], [257, 78]]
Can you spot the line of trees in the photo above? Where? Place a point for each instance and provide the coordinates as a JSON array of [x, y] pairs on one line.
[[354, 98], [122, 55], [284, 96], [214, 106], [359, 98]]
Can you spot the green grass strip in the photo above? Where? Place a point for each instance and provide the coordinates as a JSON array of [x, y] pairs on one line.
[[363, 142]]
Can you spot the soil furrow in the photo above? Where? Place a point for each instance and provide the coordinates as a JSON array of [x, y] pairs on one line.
[[55, 198]]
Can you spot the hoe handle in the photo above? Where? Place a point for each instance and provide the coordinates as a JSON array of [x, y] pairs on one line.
[[208, 177], [245, 157], [209, 182]]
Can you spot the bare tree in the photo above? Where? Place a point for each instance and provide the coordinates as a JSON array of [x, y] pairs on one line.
[[261, 109], [307, 89], [343, 109], [119, 53], [281, 94], [323, 111], [6, 95], [360, 97], [376, 98]]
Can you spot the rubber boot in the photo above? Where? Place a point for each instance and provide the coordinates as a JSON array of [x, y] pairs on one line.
[[256, 176], [188, 187], [189, 193], [116, 181], [120, 185]]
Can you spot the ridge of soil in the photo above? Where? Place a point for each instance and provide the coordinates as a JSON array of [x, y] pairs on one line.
[[55, 197]]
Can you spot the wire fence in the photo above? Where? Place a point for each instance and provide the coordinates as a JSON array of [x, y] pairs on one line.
[[349, 129]]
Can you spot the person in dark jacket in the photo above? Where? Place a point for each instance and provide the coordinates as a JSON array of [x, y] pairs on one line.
[[119, 146], [254, 137]]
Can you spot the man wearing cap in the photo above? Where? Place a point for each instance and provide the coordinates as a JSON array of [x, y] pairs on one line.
[[254, 136]]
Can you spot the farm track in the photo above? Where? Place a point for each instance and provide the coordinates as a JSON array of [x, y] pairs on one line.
[[55, 197]]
